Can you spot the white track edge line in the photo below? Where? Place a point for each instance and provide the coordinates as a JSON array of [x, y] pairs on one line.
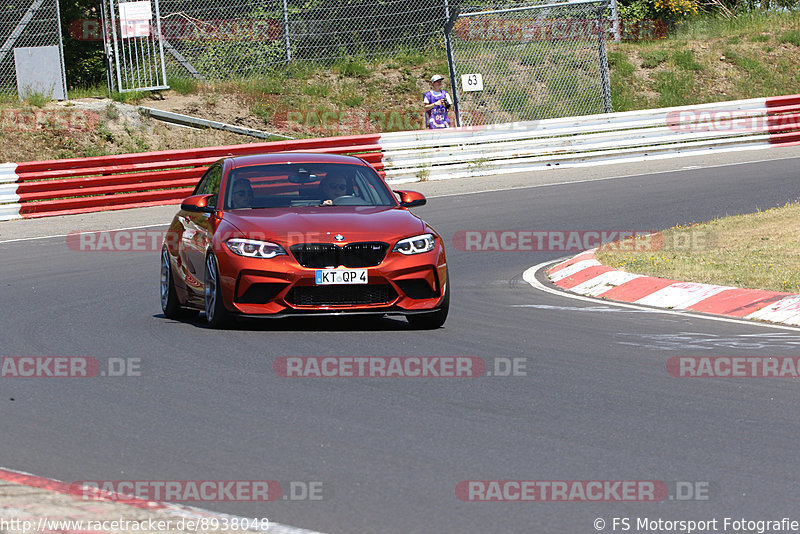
[[81, 233], [530, 276]]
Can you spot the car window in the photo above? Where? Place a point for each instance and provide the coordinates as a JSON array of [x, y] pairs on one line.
[[366, 188], [209, 184], [305, 185]]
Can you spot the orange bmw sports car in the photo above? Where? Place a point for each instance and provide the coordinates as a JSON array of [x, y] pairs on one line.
[[302, 234]]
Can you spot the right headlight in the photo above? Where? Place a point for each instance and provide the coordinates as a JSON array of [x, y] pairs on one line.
[[415, 245], [252, 248]]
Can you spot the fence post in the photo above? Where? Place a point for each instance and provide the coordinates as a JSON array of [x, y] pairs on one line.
[[160, 46], [287, 44], [615, 20], [114, 42], [61, 52], [605, 81], [448, 28], [106, 47]]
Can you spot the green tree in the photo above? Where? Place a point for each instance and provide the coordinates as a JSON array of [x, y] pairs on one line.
[[84, 58]]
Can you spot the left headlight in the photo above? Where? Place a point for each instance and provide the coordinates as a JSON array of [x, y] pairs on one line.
[[415, 245], [255, 249]]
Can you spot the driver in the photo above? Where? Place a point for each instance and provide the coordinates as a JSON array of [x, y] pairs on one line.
[[334, 185]]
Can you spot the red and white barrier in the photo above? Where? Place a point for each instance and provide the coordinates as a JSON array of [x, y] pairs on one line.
[[43, 188], [9, 200], [69, 186]]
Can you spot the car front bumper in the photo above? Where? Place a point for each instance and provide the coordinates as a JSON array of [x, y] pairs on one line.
[[280, 286]]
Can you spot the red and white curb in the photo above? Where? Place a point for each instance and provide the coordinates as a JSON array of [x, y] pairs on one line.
[[79, 505], [584, 275]]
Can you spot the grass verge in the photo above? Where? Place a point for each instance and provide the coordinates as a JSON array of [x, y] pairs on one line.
[[709, 59], [758, 251]]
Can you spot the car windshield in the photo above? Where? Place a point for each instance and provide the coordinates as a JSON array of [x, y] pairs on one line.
[[305, 185]]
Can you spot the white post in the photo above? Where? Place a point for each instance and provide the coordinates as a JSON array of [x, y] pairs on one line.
[[615, 20]]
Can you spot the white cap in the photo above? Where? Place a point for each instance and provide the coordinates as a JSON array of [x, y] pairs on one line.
[[436, 78]]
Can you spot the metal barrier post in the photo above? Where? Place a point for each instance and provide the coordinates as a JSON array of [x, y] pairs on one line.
[[448, 28], [286, 41], [605, 79]]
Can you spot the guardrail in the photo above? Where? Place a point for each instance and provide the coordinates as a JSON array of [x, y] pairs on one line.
[[69, 186], [195, 122], [526, 146], [43, 188]]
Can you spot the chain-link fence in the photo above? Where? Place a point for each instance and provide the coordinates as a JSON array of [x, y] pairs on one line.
[[216, 39], [536, 61], [531, 62], [25, 23]]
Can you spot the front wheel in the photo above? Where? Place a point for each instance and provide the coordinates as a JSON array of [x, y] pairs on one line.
[[216, 314], [433, 320], [169, 297]]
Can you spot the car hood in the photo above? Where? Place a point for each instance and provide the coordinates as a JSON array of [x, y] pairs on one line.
[[322, 224]]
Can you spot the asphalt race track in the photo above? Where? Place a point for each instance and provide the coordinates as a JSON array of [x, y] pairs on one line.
[[596, 404]]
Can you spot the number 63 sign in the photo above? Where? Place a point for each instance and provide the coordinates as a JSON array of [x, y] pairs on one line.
[[472, 82]]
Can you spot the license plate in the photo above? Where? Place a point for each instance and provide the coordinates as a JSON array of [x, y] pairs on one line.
[[341, 276]]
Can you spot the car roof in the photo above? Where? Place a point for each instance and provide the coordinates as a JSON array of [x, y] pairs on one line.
[[292, 157]]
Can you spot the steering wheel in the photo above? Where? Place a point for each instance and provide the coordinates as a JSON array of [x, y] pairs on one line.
[[348, 200]]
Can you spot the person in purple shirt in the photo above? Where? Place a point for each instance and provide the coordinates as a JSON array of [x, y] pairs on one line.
[[436, 103]]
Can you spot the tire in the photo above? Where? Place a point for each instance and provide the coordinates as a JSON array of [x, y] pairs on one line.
[[433, 320], [169, 297], [217, 315]]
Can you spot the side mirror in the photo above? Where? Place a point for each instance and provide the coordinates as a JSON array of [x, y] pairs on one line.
[[198, 203], [410, 199]]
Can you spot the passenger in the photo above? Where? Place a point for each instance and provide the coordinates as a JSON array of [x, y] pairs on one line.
[[242, 194]]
